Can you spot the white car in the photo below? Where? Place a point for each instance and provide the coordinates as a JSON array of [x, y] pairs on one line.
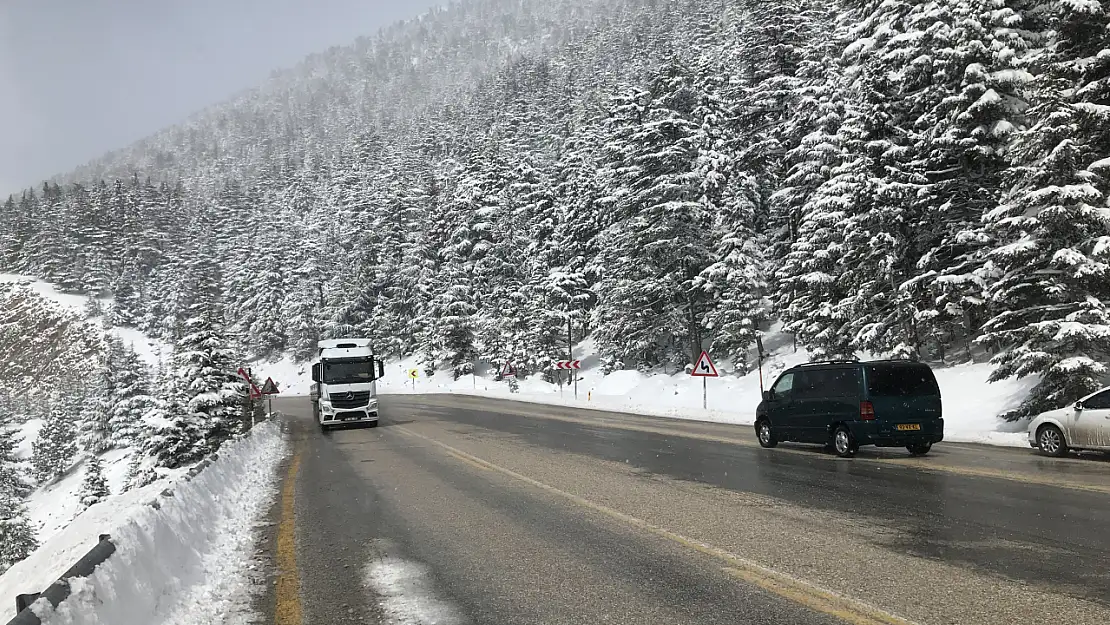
[[1083, 425]]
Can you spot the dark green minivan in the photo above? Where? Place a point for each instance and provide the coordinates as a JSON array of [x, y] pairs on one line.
[[845, 404]]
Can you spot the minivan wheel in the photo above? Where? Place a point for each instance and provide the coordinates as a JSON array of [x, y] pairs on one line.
[[765, 434], [919, 449], [1050, 440], [844, 444]]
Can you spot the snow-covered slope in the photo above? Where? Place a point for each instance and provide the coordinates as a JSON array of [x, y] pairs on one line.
[[971, 404], [149, 349]]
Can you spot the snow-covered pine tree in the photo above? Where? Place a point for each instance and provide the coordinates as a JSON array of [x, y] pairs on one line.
[[12, 478], [1049, 262], [172, 435], [54, 450], [17, 536], [96, 435], [649, 310], [206, 368], [94, 488], [132, 397]]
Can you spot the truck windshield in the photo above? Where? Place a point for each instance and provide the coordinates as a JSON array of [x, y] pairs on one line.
[[348, 372]]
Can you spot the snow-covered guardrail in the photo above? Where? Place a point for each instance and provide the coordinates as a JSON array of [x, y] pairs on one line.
[[173, 553], [59, 590]]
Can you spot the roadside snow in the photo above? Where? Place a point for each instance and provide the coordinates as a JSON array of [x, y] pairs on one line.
[[971, 403], [187, 562], [64, 548]]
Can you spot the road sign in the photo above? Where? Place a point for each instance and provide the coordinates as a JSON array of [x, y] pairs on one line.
[[414, 373], [270, 387], [568, 364], [704, 367], [508, 371], [254, 392]]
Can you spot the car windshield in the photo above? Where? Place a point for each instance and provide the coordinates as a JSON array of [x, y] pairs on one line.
[[348, 372], [901, 381]]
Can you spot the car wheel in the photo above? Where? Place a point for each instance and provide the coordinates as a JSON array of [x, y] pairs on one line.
[[1050, 440], [919, 449], [765, 434], [844, 444]]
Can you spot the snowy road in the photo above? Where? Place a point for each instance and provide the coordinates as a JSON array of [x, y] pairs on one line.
[[472, 510]]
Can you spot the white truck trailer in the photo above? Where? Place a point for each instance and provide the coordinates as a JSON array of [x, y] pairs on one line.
[[344, 383]]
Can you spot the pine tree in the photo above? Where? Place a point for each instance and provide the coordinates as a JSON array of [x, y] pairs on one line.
[[205, 363], [12, 479], [132, 398], [94, 488], [56, 446], [97, 434], [1049, 262], [17, 536]]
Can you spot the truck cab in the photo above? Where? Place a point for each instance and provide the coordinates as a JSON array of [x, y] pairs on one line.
[[344, 383]]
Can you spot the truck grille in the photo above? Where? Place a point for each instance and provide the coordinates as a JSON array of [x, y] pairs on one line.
[[354, 399]]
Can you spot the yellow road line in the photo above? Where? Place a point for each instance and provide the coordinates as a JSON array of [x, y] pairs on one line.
[[925, 465], [784, 585], [288, 610]]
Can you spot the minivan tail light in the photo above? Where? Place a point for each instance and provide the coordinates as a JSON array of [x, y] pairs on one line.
[[866, 411]]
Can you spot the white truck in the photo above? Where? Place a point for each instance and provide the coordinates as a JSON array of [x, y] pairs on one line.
[[344, 383]]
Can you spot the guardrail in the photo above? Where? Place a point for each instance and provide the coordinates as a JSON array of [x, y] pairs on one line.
[[59, 590]]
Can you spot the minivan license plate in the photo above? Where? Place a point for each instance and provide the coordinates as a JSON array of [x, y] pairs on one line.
[[909, 426]]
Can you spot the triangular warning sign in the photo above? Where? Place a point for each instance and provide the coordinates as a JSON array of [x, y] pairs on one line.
[[704, 367], [508, 370], [269, 388]]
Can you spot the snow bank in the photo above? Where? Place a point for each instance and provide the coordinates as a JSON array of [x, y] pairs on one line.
[[971, 403], [188, 561], [183, 562], [64, 548]]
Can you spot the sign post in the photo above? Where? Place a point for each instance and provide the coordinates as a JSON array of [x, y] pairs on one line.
[[572, 366], [759, 351], [413, 374], [704, 368], [268, 389]]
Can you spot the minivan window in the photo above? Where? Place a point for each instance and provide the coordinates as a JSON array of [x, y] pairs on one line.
[[901, 381], [784, 385], [843, 382]]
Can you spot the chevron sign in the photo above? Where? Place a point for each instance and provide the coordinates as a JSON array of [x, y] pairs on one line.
[[568, 364]]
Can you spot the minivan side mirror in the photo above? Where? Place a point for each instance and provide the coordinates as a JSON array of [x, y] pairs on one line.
[[1079, 405], [381, 368], [768, 395], [316, 372]]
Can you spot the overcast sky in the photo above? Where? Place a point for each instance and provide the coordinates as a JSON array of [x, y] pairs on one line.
[[81, 77]]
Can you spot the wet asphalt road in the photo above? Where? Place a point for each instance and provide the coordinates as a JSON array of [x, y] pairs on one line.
[[472, 510]]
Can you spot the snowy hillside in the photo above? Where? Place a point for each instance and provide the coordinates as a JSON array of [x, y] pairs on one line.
[[87, 424]]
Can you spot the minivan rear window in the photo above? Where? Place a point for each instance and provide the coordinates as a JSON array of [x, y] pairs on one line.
[[901, 381]]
